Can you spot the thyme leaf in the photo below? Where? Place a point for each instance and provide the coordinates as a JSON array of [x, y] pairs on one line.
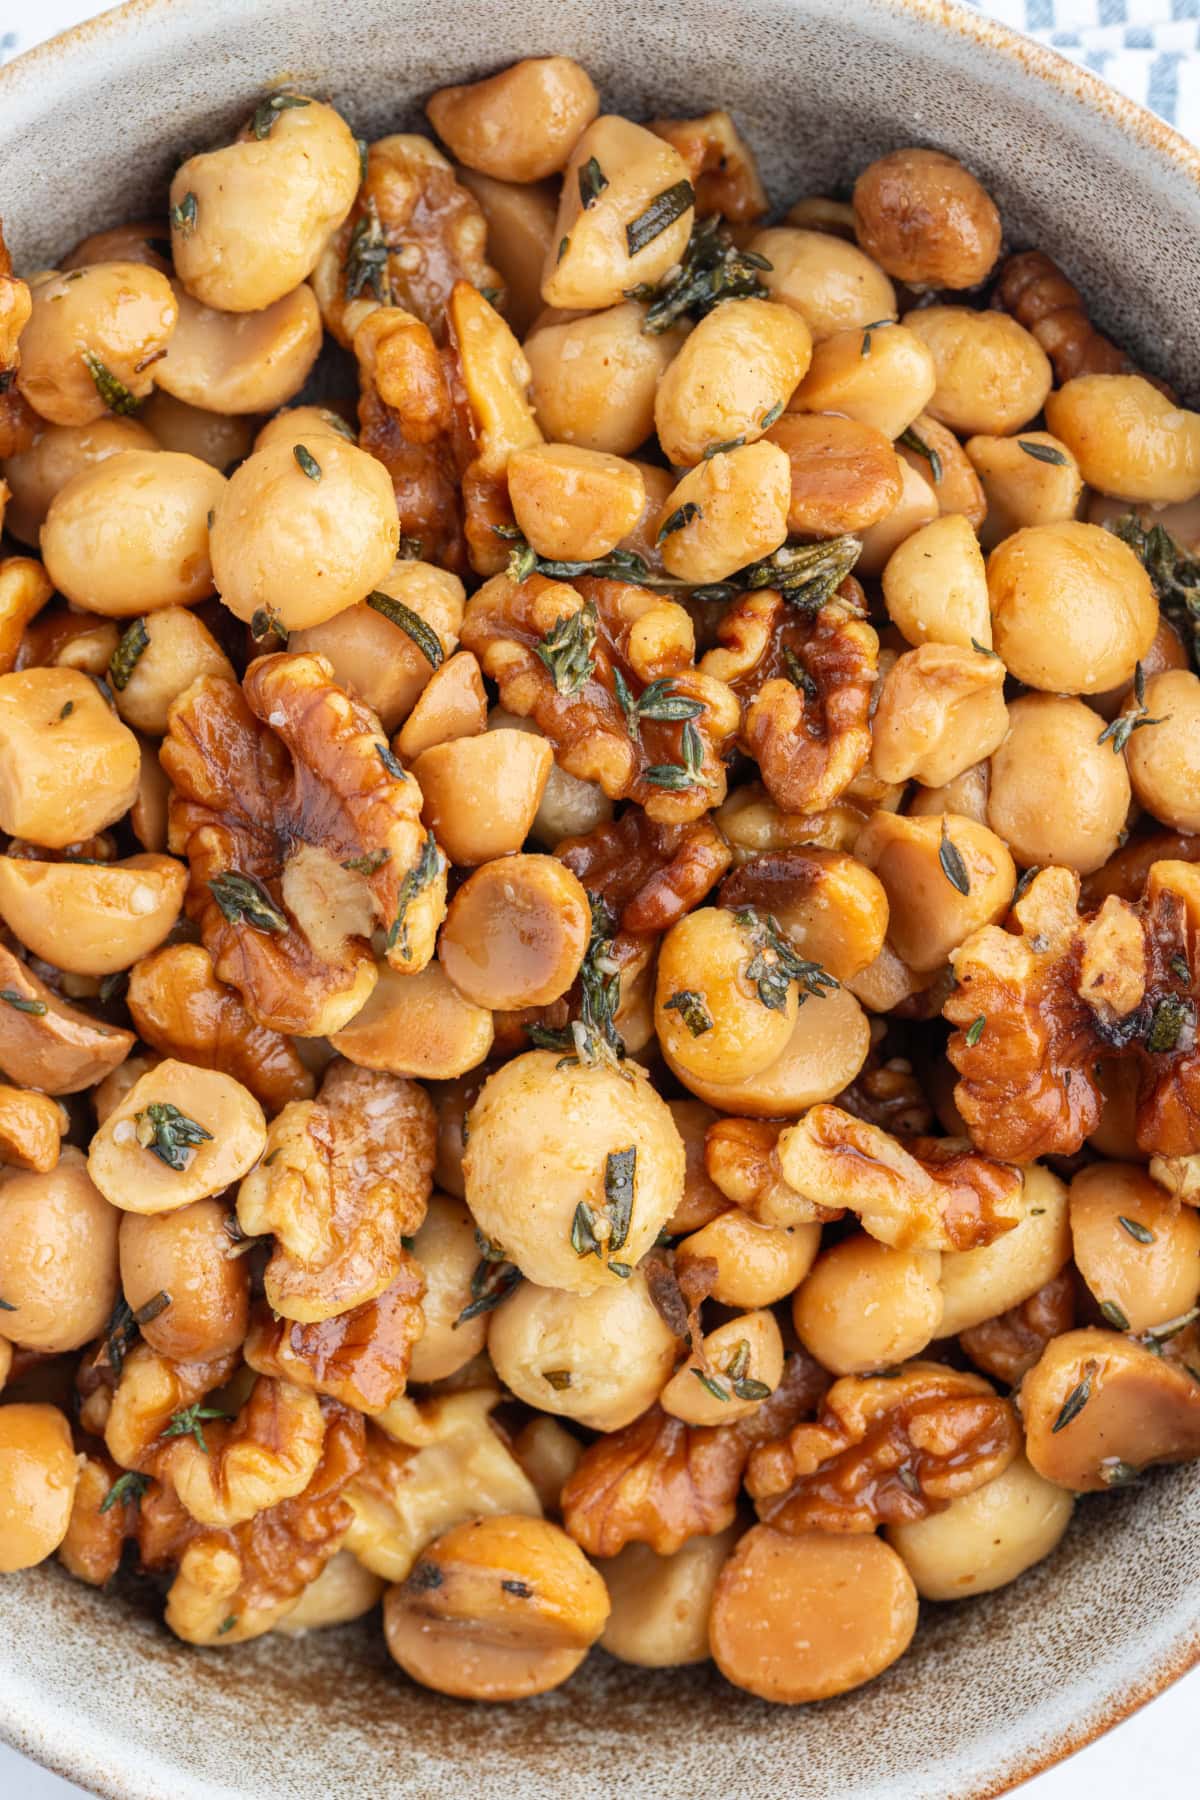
[[188, 1423], [422, 634], [183, 217], [267, 111], [130, 1486], [592, 182], [567, 649], [244, 900], [681, 517], [1174, 574], [264, 623], [620, 1173], [975, 1030], [775, 965], [369, 864], [414, 882], [1117, 1474], [692, 1010], [168, 1133], [662, 212], [658, 700], [592, 1038], [1141, 1234], [307, 461], [712, 269], [721, 449], [1122, 728], [366, 263], [1076, 1400], [1171, 1019], [1043, 453], [391, 762], [35, 1008], [912, 441], [1116, 1318], [805, 574], [951, 860], [557, 1378], [773, 412], [124, 659], [115, 395], [675, 776], [494, 1279]]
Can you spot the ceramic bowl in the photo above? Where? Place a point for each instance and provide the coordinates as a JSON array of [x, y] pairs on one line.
[[994, 1689]]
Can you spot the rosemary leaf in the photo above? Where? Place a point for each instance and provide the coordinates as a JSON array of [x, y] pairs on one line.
[[1043, 453], [953, 866], [307, 461], [692, 1010], [115, 395], [1076, 1400], [267, 111], [169, 1134], [662, 212], [35, 1008], [1140, 1233], [919, 447], [422, 634]]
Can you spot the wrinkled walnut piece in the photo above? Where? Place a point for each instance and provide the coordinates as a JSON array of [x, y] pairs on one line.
[[1039, 296], [594, 633], [1007, 1346], [649, 873], [742, 1159], [183, 1011], [888, 1094], [886, 1449], [100, 1521], [227, 1471], [1063, 992], [301, 833], [359, 1357], [804, 681], [235, 1584], [342, 1180], [923, 1194], [150, 1391]]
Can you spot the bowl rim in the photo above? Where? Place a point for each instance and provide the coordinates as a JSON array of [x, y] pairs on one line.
[[1032, 59]]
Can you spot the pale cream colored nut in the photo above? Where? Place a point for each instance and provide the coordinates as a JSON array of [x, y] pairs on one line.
[[1030, 479], [520, 231], [756, 1264], [954, 481], [738, 369], [917, 506], [980, 1284], [935, 585], [944, 878], [1056, 793], [68, 767], [595, 376], [992, 375], [32, 1126], [730, 511], [866, 1305], [940, 711], [574, 504], [157, 658], [91, 919], [1128, 438], [1164, 761], [48, 1044], [917, 1194], [452, 705], [180, 1134], [217, 438], [517, 930], [448, 1255], [57, 453], [827, 1047], [1140, 1279], [1073, 610], [344, 1178], [343, 1591], [521, 124], [130, 534], [832, 285], [24, 590], [417, 1025], [38, 1474], [249, 221], [729, 1374], [661, 1604], [495, 378], [632, 231], [882, 377], [548, 1168], [241, 362], [597, 1358], [986, 1539], [481, 794], [92, 340], [185, 1255], [58, 1256], [1098, 1406], [828, 905]]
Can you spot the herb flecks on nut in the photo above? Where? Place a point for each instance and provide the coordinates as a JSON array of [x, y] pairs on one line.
[[169, 1134]]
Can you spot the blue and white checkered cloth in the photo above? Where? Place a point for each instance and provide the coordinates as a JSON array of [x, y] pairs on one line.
[[1148, 49]]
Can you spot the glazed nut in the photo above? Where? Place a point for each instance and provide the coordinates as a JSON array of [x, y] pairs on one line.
[[756, 1264], [91, 920], [38, 1473], [417, 1025], [267, 1455], [230, 363], [828, 905], [944, 878], [957, 488], [844, 474], [922, 1193], [720, 163], [1098, 1407], [825, 1051], [987, 1538], [58, 1257], [183, 1011], [649, 874], [31, 1128], [1140, 1279], [1128, 437], [292, 869], [1163, 771], [517, 929], [91, 1549], [831, 284], [940, 711], [729, 511], [24, 590], [884, 1449], [180, 1134], [658, 1482], [935, 586], [926, 219], [49, 1044], [68, 767], [453, 704], [729, 1374], [343, 1591], [574, 504], [595, 377], [805, 1617], [158, 657], [1056, 792], [886, 385], [360, 1357], [344, 1178], [991, 374], [738, 369], [661, 1604], [185, 1254], [1028, 480], [481, 794], [709, 1011], [521, 124], [865, 1305], [496, 1609], [917, 506], [1007, 1345], [92, 339]]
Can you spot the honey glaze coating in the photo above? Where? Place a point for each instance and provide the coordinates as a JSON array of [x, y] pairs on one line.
[[600, 949]]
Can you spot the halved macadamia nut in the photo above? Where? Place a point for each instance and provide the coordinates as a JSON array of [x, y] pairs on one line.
[[481, 793], [158, 656], [517, 929], [452, 704], [730, 1374], [68, 767], [572, 504], [180, 1134], [417, 1025], [91, 918], [241, 362]]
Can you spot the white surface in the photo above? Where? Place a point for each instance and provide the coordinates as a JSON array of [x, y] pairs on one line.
[[1152, 1754]]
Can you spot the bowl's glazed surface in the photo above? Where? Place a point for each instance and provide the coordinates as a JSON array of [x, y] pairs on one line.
[[92, 1684]]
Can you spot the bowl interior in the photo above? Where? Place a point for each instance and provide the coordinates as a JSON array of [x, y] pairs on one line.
[[92, 1684]]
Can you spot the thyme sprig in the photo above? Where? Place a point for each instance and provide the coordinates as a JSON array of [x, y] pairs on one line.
[[188, 1423], [130, 1486], [775, 965], [691, 1009], [494, 1279], [806, 575], [1122, 728], [1174, 574], [744, 1386], [659, 701], [713, 269], [244, 900], [169, 1134], [115, 395], [567, 649], [593, 1037], [366, 263], [676, 777]]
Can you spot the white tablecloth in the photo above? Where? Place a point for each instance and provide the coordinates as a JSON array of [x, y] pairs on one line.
[[1150, 50]]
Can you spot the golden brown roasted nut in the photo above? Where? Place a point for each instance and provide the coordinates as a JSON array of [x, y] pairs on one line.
[[304, 836], [344, 1177], [720, 164], [519, 125], [91, 1549], [1007, 1346], [926, 219], [31, 1129], [940, 710], [829, 906], [232, 1585], [496, 1609], [1099, 1407], [360, 1357], [590, 633], [845, 476], [885, 1449], [25, 588], [649, 873], [945, 877], [742, 1160], [151, 1390], [179, 1134], [268, 1454], [1066, 990], [91, 919], [182, 1010], [48, 1044], [925, 1193], [187, 1285], [807, 730]]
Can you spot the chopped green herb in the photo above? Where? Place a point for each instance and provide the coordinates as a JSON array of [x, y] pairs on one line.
[[919, 447], [559, 1379], [188, 1423], [244, 900], [408, 549], [521, 1589], [227, 1625], [593, 1037], [128, 1487], [1076, 1400], [1117, 1474], [494, 1279], [423, 635], [362, 147], [692, 1011], [662, 212], [1116, 1318], [975, 1030], [1172, 1017], [391, 762], [169, 1134], [115, 395], [7, 1306], [592, 182], [1174, 574], [772, 414], [775, 965], [982, 649], [134, 640], [563, 246], [183, 216], [1025, 882], [35, 1008], [658, 701], [798, 675], [264, 622], [125, 1324], [267, 111], [1043, 453], [370, 864], [675, 777], [307, 461], [1179, 968], [875, 325], [66, 709], [806, 575], [620, 1175], [1122, 728], [721, 449], [1140, 1233], [113, 986], [950, 858], [713, 1386], [415, 881], [567, 649], [712, 269], [366, 263], [681, 517]]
